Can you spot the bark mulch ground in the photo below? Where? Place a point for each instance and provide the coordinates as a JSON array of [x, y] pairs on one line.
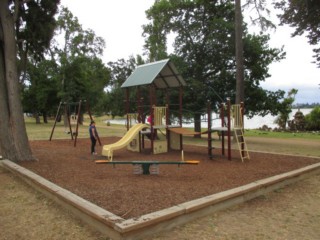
[[128, 195]]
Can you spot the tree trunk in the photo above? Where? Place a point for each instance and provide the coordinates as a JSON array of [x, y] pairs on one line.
[[37, 117], [81, 119], [239, 54], [45, 117], [197, 124], [13, 136], [66, 121], [6, 137]]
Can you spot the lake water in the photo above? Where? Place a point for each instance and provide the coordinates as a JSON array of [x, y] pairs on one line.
[[258, 121], [253, 123]]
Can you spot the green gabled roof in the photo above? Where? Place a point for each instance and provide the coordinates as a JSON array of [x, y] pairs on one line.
[[163, 74]]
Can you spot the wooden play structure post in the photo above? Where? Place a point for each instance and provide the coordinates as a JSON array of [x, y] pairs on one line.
[[224, 128], [66, 111], [55, 121], [168, 118], [180, 114], [139, 105], [229, 127], [77, 126], [152, 103], [223, 123], [242, 120], [210, 148], [127, 105]]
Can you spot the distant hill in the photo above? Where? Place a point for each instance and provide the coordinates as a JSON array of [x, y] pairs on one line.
[[306, 105]]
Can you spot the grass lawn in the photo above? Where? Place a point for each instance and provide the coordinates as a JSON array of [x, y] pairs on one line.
[[300, 143]]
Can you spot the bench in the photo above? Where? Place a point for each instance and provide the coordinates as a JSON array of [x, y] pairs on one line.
[[145, 165]]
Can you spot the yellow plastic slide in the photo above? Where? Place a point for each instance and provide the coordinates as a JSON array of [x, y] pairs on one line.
[[107, 150]]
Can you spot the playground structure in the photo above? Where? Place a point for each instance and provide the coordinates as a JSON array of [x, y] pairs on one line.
[[162, 75], [231, 117], [73, 117], [127, 139]]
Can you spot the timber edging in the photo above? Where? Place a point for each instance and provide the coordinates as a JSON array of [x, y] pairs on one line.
[[116, 227]]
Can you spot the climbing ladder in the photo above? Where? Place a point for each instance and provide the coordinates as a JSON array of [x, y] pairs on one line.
[[237, 117]]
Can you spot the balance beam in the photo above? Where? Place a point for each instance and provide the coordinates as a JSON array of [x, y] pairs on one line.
[[146, 164]]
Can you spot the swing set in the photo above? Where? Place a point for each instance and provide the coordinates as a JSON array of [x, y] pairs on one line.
[[72, 117]]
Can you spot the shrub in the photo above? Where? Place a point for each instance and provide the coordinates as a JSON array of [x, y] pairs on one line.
[[313, 119]]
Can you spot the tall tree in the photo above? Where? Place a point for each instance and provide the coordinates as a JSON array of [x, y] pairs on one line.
[[259, 6], [286, 109], [77, 52], [259, 13], [120, 71], [73, 73], [77, 43], [204, 54], [39, 94], [303, 15], [239, 53], [86, 79], [14, 19]]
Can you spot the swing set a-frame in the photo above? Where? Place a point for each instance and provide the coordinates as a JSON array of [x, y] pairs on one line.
[[64, 107]]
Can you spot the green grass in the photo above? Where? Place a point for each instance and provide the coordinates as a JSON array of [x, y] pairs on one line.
[[43, 131], [284, 135], [303, 143]]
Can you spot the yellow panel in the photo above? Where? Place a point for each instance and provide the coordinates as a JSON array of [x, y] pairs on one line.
[[174, 141], [160, 147]]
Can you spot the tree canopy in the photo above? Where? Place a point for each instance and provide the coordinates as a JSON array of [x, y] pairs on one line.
[[303, 15], [286, 109], [75, 68], [204, 53], [28, 25], [120, 71], [78, 60]]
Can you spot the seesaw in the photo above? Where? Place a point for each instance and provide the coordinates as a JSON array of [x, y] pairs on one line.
[[143, 167]]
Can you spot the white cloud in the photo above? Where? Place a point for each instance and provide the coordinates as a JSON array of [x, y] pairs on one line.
[[297, 70], [120, 24]]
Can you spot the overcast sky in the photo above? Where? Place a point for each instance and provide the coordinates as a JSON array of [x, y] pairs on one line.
[[119, 23]]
